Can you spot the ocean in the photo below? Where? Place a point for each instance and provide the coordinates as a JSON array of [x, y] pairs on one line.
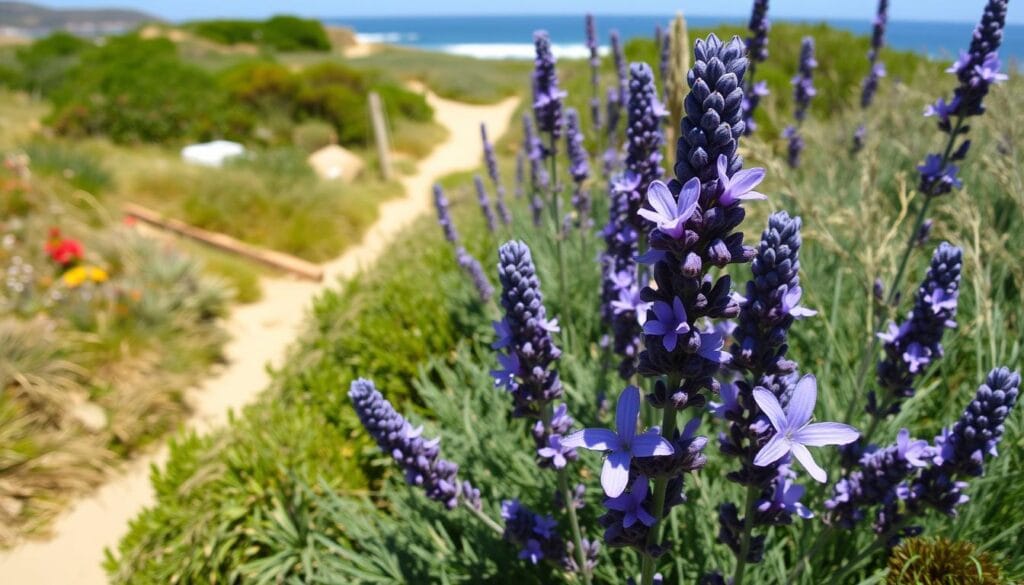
[[510, 37]]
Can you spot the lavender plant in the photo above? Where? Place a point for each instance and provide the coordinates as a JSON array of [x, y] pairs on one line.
[[485, 203], [876, 70], [672, 327], [579, 167], [757, 52], [469, 264], [977, 70], [495, 175], [803, 91], [626, 229], [595, 73]]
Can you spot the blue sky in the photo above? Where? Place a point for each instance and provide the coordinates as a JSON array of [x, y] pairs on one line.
[[945, 10]]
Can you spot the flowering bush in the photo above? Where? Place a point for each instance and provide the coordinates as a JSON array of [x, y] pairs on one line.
[[687, 231], [292, 502]]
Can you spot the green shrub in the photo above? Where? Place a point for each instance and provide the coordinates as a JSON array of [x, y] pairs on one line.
[[81, 169], [312, 135], [135, 90], [280, 33], [45, 63]]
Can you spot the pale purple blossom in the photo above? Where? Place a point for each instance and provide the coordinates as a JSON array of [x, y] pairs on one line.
[[669, 214], [632, 504], [793, 430], [622, 444], [669, 322]]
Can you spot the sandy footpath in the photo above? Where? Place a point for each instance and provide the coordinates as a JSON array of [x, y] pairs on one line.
[[260, 334]]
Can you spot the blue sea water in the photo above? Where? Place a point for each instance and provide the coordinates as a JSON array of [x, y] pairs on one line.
[[511, 36]]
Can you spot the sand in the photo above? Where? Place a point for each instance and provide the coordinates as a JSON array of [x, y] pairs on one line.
[[260, 334]]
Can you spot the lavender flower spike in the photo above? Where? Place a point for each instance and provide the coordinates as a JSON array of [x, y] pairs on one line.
[[443, 216], [492, 171], [622, 444], [579, 166], [620, 68], [547, 97], [793, 430], [913, 346], [644, 140], [876, 69], [419, 457], [525, 333], [471, 266], [964, 448], [803, 91], [757, 52], [485, 203], [595, 72]]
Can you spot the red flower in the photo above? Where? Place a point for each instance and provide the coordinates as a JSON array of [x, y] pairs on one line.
[[63, 251]]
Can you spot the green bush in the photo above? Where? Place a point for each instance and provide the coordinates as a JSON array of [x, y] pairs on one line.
[[136, 90], [44, 64], [280, 33], [312, 135]]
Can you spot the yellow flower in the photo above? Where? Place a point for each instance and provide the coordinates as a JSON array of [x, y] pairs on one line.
[[74, 277], [79, 274], [97, 274]]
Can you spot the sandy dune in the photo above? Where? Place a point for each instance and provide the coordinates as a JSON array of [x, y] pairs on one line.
[[260, 334]]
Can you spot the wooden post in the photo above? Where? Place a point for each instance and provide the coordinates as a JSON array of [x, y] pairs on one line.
[[380, 135]]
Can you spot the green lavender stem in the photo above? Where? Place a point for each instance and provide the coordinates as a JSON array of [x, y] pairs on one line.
[[487, 520], [872, 348], [567, 499], [748, 528], [668, 427]]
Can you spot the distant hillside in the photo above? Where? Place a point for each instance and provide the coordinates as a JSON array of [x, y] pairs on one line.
[[33, 20]]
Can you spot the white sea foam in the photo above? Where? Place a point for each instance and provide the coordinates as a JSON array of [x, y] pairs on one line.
[[387, 37], [523, 51]]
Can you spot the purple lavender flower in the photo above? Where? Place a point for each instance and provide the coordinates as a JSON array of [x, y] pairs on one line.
[[876, 70], [484, 202], [620, 68], [784, 500], [492, 171], [938, 177], [669, 214], [471, 266], [793, 430], [579, 160], [739, 186], [963, 449], [632, 504], [757, 52], [418, 457], [713, 122], [669, 323], [579, 166], [914, 345], [595, 73], [771, 304], [619, 281], [978, 68], [644, 138], [526, 332], [878, 480], [547, 97], [520, 174], [534, 534], [622, 444], [555, 451], [444, 218], [803, 91]]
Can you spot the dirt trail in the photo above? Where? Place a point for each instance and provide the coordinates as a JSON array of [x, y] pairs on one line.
[[260, 333]]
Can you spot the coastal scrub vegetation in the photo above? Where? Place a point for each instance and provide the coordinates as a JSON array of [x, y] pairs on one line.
[[294, 489]]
